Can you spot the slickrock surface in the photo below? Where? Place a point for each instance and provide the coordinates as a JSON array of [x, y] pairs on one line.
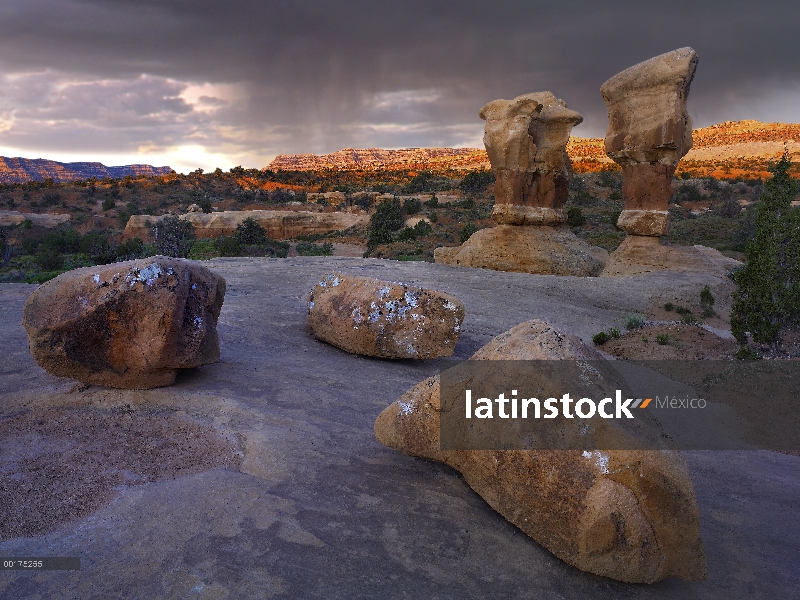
[[649, 131], [543, 250], [129, 325], [526, 141], [628, 515], [384, 319], [317, 507], [279, 224]]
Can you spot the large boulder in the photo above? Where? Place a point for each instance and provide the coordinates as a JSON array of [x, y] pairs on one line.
[[649, 130], [638, 254], [126, 325], [384, 319], [626, 514], [278, 224], [543, 250], [526, 141]]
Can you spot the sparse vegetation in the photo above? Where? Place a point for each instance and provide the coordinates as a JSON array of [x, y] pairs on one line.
[[600, 338]]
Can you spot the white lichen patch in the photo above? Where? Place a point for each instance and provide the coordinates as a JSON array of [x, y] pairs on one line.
[[356, 315], [600, 459], [405, 407], [450, 305], [412, 299], [96, 278]]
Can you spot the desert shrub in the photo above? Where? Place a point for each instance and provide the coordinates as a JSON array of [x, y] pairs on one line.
[[309, 249], [51, 198], [685, 175], [364, 202], [423, 228], [205, 205], [467, 231], [131, 249], [63, 241], [433, 216], [767, 298], [577, 184], [613, 333], [575, 217], [412, 206], [95, 245], [383, 223], [600, 338], [669, 306], [634, 322], [228, 246], [203, 249], [250, 233], [282, 196], [49, 259], [173, 236], [730, 206], [610, 179], [476, 182], [406, 234], [707, 302], [662, 339], [26, 224], [583, 198], [688, 192], [432, 203]]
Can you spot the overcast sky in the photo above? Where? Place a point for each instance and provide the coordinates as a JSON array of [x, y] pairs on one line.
[[207, 83]]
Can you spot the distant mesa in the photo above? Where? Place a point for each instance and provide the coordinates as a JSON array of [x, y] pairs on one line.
[[21, 170], [729, 149]]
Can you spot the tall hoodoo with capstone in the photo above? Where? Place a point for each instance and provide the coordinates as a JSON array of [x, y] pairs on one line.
[[649, 131], [526, 140]]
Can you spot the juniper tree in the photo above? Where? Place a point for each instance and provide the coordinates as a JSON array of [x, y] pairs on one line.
[[768, 296]]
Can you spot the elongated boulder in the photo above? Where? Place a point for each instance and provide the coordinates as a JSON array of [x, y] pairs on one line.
[[626, 514], [127, 325], [649, 130], [526, 141], [384, 319]]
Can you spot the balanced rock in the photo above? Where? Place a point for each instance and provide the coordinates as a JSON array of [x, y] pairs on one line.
[[626, 514], [648, 132], [526, 141], [127, 325], [543, 250], [379, 318]]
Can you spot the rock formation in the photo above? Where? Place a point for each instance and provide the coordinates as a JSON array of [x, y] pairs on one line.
[[526, 250], [379, 318], [526, 141], [648, 132], [626, 514], [279, 224], [126, 325], [20, 170]]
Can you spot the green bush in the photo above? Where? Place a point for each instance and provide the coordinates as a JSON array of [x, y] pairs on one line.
[[173, 236], [49, 259], [228, 246], [131, 249], [662, 339], [600, 338], [476, 182], [108, 204], [309, 249], [707, 302], [634, 322], [203, 250], [575, 217], [767, 298], [250, 233], [669, 306], [383, 223], [467, 231], [614, 333], [412, 206], [95, 245]]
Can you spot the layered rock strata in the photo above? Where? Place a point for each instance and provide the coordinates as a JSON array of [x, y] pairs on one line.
[[278, 224], [630, 515], [379, 318], [649, 130], [526, 141], [126, 325]]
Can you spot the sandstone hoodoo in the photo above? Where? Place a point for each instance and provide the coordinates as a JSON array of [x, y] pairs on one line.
[[126, 325], [526, 141], [648, 132], [384, 319], [626, 514]]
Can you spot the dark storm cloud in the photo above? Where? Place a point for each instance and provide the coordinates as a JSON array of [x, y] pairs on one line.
[[319, 76]]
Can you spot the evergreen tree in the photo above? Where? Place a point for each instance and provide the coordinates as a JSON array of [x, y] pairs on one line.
[[768, 295]]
